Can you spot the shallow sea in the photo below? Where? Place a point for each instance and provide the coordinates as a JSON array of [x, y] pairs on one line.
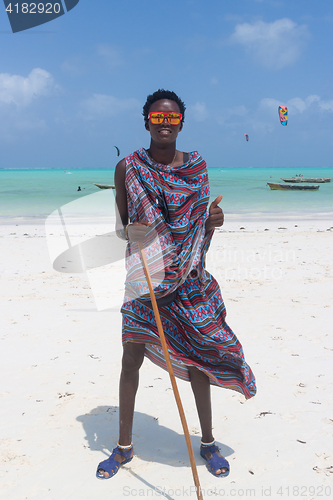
[[36, 193]]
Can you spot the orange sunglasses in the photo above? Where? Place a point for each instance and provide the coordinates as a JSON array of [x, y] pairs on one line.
[[158, 117]]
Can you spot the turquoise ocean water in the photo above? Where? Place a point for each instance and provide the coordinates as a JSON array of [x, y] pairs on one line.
[[36, 193]]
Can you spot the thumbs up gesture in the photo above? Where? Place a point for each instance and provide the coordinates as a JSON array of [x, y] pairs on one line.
[[216, 216]]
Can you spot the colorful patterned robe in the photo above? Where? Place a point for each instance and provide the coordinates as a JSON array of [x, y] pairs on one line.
[[174, 200]]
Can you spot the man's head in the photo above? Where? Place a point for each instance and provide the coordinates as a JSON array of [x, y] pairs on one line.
[[159, 95]]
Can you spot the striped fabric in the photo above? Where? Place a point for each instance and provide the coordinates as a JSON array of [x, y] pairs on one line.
[[175, 200]]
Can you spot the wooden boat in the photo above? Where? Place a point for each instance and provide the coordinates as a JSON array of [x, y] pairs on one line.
[[306, 187], [104, 186], [304, 179]]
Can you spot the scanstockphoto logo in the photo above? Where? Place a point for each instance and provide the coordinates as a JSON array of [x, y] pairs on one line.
[[25, 15], [81, 238]]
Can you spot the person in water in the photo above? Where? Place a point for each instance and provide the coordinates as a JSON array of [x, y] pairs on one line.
[[168, 190]]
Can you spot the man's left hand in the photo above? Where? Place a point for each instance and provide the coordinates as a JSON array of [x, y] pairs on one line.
[[216, 216]]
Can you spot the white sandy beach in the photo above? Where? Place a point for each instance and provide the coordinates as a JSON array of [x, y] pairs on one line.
[[60, 361]]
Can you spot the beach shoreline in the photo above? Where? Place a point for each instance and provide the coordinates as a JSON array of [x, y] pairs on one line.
[[253, 219]]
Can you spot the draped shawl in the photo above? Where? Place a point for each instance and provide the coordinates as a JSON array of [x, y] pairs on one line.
[[174, 200]]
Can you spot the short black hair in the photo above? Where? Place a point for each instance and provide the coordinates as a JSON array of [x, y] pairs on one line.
[[163, 94]]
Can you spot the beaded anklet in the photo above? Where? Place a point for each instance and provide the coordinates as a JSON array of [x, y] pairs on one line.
[[127, 447], [208, 444]]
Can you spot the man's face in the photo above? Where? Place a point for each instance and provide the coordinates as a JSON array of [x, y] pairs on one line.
[[164, 133]]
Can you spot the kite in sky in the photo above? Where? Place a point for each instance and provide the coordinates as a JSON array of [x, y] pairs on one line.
[[283, 115], [246, 137]]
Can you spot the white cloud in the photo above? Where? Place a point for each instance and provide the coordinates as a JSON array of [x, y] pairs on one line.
[[30, 124], [102, 105], [238, 111], [111, 55], [18, 90], [74, 66], [266, 112], [233, 116], [199, 111], [297, 105], [326, 105], [270, 104], [274, 45]]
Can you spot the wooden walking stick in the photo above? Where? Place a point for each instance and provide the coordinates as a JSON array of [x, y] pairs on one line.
[[172, 375]]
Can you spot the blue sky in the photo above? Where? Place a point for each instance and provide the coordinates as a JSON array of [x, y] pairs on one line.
[[73, 88]]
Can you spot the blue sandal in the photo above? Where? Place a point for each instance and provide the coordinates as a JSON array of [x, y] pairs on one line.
[[215, 462], [111, 465]]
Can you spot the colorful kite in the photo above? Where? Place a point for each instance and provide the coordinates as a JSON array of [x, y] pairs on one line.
[[283, 115], [246, 137]]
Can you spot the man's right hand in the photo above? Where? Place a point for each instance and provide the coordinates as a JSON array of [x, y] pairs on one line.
[[137, 231]]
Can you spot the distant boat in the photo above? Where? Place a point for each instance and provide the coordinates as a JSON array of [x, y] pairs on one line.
[[304, 179], [104, 186], [312, 187]]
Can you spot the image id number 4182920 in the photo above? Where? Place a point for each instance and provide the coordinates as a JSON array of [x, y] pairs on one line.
[[34, 8], [304, 491]]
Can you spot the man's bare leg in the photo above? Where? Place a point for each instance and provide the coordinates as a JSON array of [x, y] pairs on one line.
[[133, 355], [201, 390]]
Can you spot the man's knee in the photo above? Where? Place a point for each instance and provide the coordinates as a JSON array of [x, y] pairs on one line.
[[133, 356]]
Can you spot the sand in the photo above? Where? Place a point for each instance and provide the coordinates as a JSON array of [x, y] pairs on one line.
[[60, 360]]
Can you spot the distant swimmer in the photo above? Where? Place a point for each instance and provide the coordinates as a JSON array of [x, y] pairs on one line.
[[79, 188]]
